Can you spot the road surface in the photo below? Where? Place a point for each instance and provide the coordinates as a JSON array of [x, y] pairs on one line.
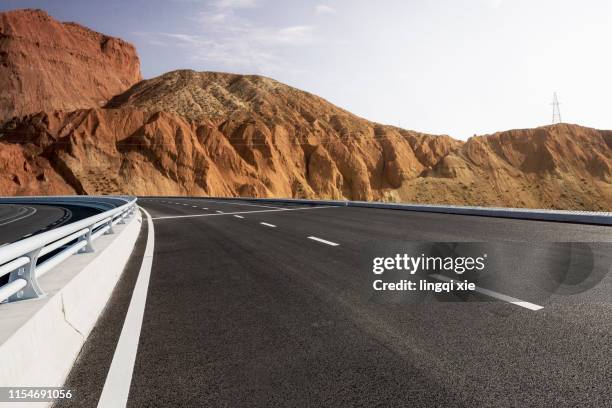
[[18, 221], [270, 305]]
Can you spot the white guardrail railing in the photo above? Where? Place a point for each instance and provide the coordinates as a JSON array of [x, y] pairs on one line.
[[20, 260]]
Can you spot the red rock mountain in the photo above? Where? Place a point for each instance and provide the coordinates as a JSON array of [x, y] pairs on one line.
[[206, 133], [46, 65], [223, 134]]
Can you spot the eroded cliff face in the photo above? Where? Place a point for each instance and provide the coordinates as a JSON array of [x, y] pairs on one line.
[[559, 166], [130, 150], [47, 65], [133, 151]]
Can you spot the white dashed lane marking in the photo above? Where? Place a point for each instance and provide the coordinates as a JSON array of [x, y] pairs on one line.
[[268, 225], [238, 216], [323, 241], [499, 296]]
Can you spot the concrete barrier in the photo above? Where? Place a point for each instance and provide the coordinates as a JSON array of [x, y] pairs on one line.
[[41, 338]]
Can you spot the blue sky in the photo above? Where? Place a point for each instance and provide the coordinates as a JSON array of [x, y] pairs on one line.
[[458, 67]]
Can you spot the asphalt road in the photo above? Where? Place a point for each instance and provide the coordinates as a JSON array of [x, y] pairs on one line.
[[18, 221], [254, 306]]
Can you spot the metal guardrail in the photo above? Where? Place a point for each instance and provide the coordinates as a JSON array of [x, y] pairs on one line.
[[20, 260]]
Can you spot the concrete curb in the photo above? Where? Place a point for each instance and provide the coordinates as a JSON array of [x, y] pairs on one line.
[[41, 338], [579, 217]]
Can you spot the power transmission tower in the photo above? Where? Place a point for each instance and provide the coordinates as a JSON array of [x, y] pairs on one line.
[[556, 116]]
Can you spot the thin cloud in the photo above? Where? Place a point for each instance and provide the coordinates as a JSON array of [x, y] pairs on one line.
[[225, 37], [293, 35], [324, 9], [235, 4]]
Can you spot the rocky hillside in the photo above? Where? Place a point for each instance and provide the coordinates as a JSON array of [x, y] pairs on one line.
[[133, 150], [232, 135], [206, 133], [559, 166], [46, 65]]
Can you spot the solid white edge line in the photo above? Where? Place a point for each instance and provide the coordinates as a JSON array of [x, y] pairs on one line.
[[119, 378], [240, 212], [244, 204], [499, 296], [19, 212], [268, 225], [21, 218], [324, 241]]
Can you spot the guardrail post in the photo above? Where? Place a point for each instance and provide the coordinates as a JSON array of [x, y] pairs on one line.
[[87, 237], [28, 273], [110, 227]]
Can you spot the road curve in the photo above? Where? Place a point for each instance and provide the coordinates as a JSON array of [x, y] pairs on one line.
[[271, 305], [18, 221]]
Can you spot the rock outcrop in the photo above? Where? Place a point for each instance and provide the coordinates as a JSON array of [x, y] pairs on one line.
[[131, 150], [47, 65], [558, 166], [281, 142]]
